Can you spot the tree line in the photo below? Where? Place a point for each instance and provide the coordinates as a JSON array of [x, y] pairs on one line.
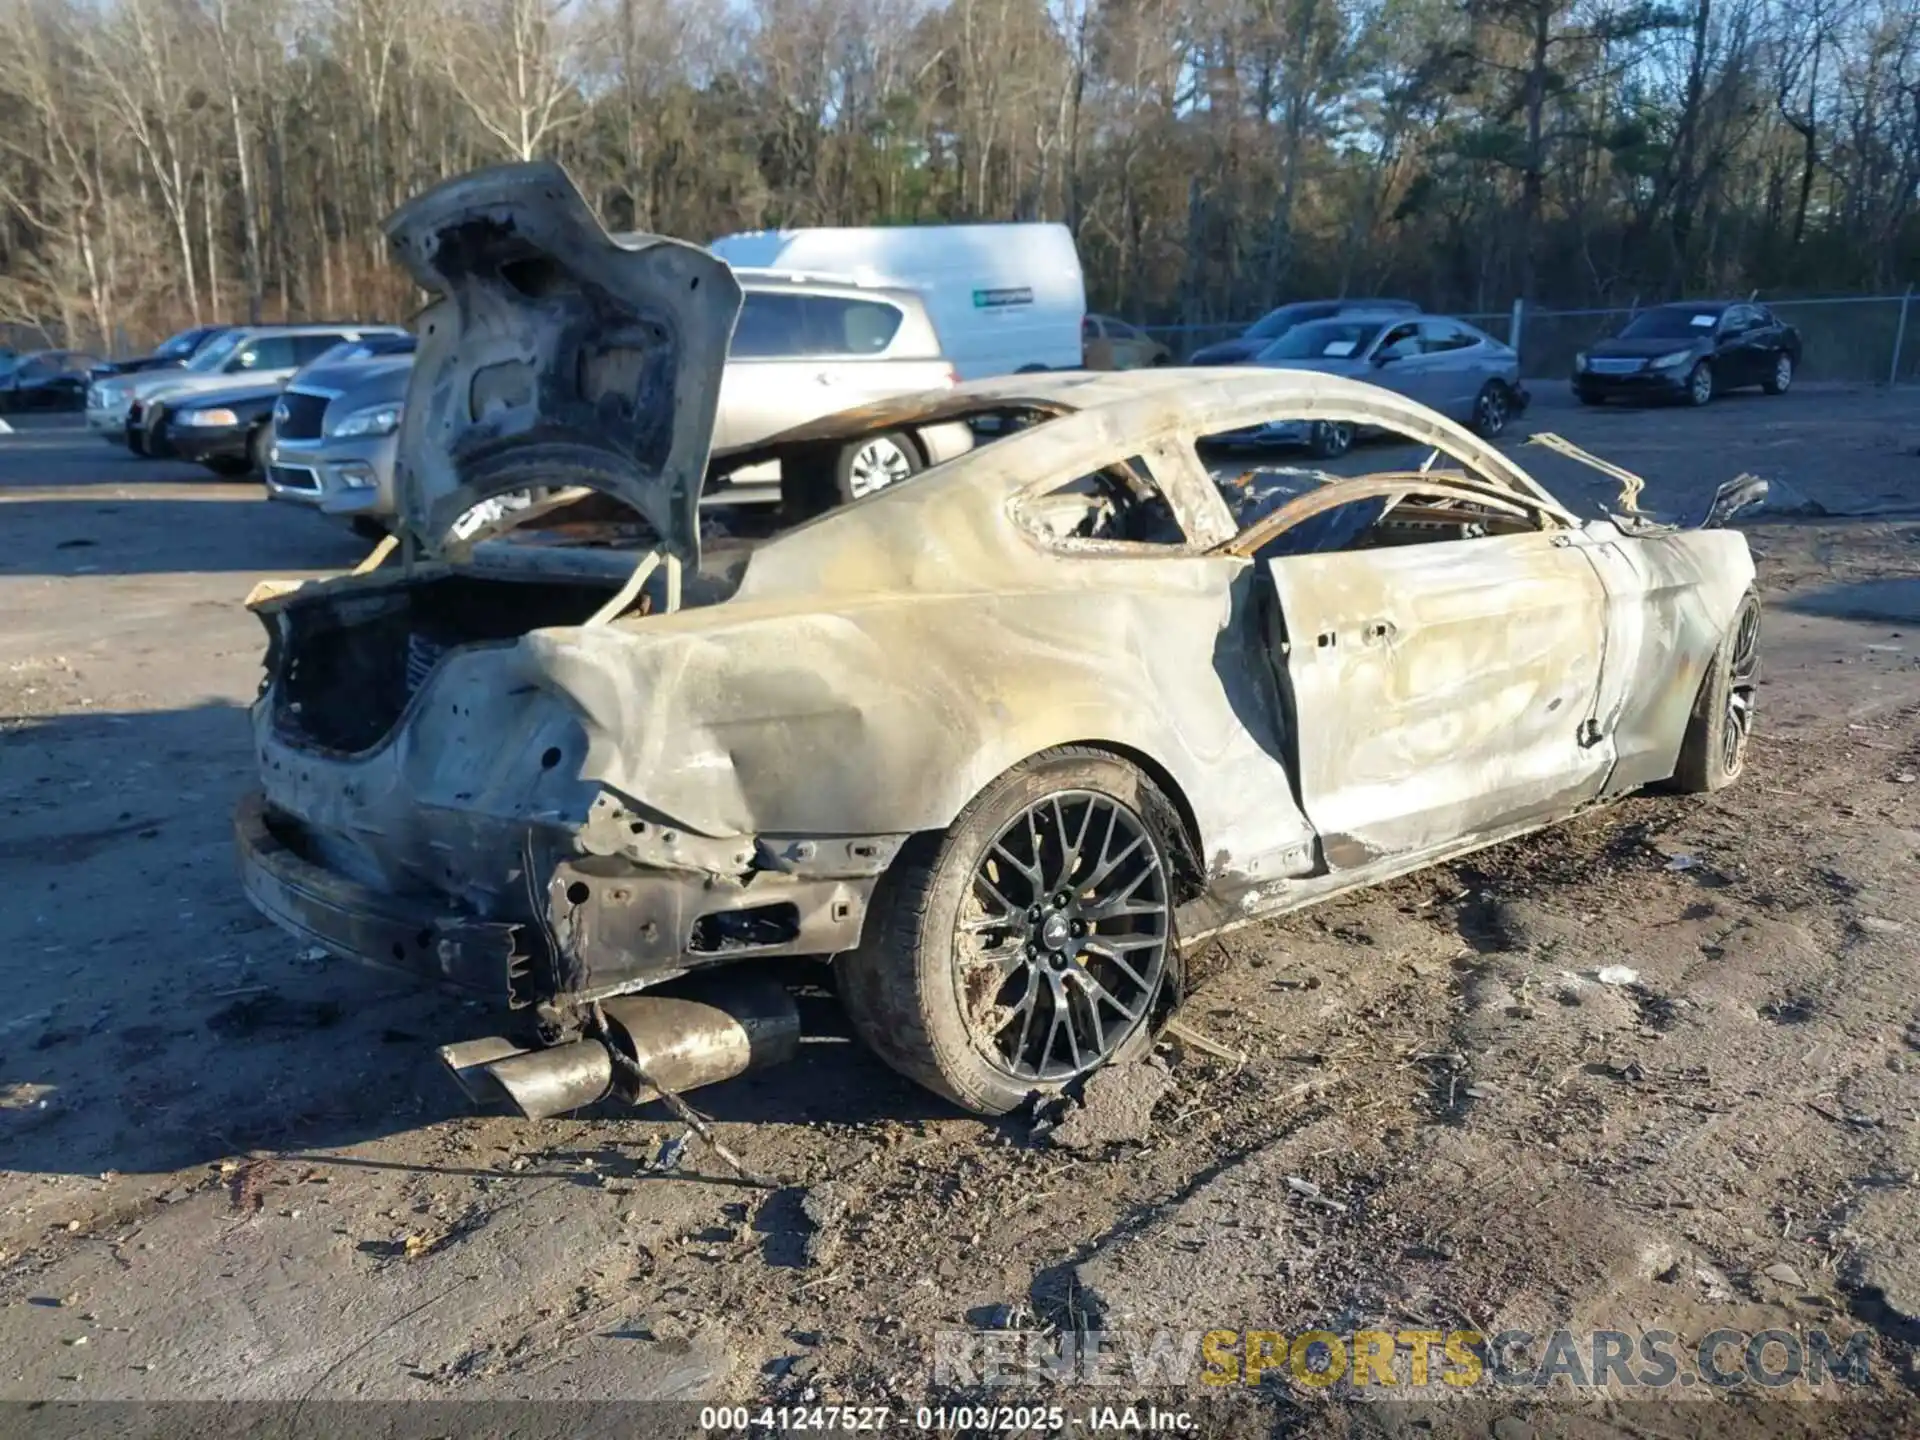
[[168, 161]]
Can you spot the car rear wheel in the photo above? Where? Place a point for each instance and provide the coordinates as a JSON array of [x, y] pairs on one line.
[[1492, 409], [136, 438], [1714, 751], [873, 463], [259, 448], [1029, 943], [1331, 439], [1782, 377], [1700, 384], [229, 467]]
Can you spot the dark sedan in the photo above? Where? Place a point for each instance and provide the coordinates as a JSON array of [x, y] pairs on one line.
[[1275, 323], [46, 380], [1690, 352], [170, 353], [228, 431]]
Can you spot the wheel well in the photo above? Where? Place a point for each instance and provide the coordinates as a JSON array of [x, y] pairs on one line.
[[1191, 867]]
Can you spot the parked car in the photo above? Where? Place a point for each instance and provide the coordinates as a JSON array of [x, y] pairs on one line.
[[1691, 352], [228, 431], [45, 380], [1275, 323], [1444, 364], [1109, 344], [231, 432], [169, 354], [1002, 298], [806, 347], [1002, 739], [333, 440], [117, 407]]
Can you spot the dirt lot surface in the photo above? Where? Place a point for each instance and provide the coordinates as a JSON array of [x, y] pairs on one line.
[[1659, 1068]]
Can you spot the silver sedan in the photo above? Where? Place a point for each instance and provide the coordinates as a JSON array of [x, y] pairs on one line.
[[1445, 364]]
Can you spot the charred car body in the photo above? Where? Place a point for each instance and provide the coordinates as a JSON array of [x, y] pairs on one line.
[[1001, 739]]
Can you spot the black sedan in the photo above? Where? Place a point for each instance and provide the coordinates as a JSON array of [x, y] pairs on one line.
[[227, 431], [1691, 352], [46, 380], [169, 354]]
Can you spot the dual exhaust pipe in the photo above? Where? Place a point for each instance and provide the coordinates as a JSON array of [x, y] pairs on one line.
[[693, 1033]]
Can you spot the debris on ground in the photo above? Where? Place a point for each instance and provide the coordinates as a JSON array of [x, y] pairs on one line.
[[1617, 975], [1310, 1192], [672, 1152], [825, 1206], [1184, 1033], [1116, 1107]]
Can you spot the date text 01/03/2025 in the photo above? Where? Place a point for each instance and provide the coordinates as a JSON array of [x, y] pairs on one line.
[[1147, 1419]]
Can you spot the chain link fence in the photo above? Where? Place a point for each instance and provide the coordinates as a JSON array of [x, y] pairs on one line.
[[1860, 338]]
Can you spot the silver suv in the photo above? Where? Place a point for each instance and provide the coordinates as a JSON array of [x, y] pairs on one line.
[[807, 346]]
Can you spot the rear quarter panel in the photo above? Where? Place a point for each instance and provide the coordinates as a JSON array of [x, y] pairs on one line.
[[887, 716], [1669, 605]]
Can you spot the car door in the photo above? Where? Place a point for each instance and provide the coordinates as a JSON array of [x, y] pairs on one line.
[[1438, 690], [264, 357], [1736, 357], [851, 338], [1399, 364], [1096, 353], [1457, 366], [769, 384], [1131, 350]]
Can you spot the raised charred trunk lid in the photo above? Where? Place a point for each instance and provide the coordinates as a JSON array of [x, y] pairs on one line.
[[553, 357]]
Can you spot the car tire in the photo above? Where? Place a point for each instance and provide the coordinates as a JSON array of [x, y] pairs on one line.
[[137, 439], [1781, 380], [367, 528], [155, 444], [1330, 439], [1587, 397], [229, 467], [1714, 751], [259, 448], [1700, 384], [1492, 410], [1160, 360], [906, 991], [872, 463]]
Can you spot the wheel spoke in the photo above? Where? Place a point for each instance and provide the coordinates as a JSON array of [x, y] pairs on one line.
[[1098, 992], [1030, 872], [1112, 957], [1039, 861], [1070, 851], [1093, 1012], [1029, 1004], [1111, 863], [1053, 1030], [1063, 1002]]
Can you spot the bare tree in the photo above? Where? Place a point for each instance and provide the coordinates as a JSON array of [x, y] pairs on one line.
[[515, 64]]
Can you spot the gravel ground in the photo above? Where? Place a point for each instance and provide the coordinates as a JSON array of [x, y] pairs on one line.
[[233, 1171]]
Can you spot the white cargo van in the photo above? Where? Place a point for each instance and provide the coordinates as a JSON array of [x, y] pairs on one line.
[[1003, 298]]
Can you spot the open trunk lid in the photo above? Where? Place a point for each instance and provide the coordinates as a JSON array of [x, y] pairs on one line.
[[553, 357]]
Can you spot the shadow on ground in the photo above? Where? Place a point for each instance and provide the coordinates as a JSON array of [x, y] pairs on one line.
[[158, 1022]]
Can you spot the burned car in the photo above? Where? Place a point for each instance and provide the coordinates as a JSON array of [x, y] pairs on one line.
[[1003, 738]]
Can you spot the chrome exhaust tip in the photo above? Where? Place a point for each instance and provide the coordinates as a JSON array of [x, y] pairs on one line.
[[683, 1036]]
